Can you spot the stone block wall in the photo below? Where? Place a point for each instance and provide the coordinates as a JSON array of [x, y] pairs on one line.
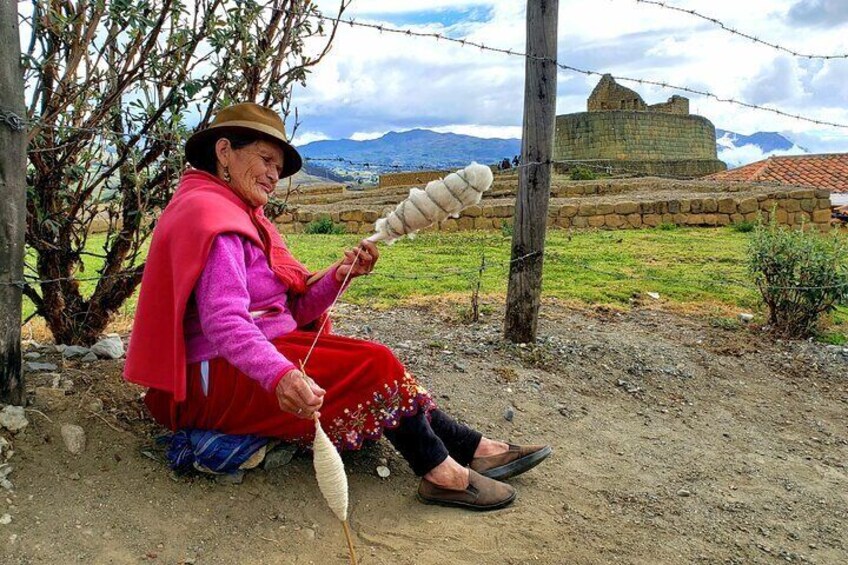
[[679, 169], [675, 105], [793, 206], [634, 136]]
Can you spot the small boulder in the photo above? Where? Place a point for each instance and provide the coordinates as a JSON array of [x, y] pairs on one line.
[[35, 367], [5, 471], [279, 457], [653, 295], [74, 438], [509, 413], [72, 351], [13, 418], [95, 405], [110, 347], [235, 478], [32, 355], [89, 357], [746, 318], [383, 472]]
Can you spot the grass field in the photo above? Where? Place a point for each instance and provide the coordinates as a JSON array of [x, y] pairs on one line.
[[697, 270]]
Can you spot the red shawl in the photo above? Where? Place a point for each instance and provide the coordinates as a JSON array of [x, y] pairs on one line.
[[202, 207]]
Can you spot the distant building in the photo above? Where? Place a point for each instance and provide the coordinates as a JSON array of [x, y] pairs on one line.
[[622, 133], [828, 171], [609, 95]]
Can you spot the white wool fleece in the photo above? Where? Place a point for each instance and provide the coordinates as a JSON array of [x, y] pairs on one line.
[[440, 199]]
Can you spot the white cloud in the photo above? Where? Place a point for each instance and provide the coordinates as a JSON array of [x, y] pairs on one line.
[[738, 156], [309, 137], [779, 82], [379, 82], [366, 135], [825, 13]]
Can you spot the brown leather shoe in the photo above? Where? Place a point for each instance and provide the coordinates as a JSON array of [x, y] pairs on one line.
[[517, 460], [482, 494]]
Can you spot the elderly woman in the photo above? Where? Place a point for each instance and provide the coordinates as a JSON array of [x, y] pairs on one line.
[[225, 321]]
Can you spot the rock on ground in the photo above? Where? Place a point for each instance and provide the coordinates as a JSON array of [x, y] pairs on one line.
[[74, 437], [109, 348], [75, 351], [5, 471], [35, 367], [13, 418]]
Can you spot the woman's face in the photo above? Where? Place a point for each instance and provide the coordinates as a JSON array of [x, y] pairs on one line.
[[254, 169]]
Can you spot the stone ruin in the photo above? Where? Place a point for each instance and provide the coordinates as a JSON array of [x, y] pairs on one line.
[[609, 95], [621, 133]]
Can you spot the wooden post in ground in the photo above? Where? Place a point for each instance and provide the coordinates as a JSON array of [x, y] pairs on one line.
[[534, 181], [12, 204]]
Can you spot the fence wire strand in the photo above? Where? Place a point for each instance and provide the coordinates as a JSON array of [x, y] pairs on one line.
[[588, 72], [17, 122], [734, 31]]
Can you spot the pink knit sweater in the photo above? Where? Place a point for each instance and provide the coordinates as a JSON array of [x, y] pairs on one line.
[[239, 305]]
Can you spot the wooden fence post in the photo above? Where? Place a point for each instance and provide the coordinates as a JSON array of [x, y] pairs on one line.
[[534, 180], [12, 204]]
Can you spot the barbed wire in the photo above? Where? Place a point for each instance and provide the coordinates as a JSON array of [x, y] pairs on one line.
[[587, 72], [483, 47], [12, 120], [742, 34]]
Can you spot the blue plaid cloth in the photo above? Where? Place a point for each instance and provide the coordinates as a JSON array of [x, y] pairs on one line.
[[220, 453]]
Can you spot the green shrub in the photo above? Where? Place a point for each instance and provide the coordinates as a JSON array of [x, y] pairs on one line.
[[324, 225], [725, 323], [801, 275], [667, 226], [507, 229], [581, 173], [833, 338], [744, 226]]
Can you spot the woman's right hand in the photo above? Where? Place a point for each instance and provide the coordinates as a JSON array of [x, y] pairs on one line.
[[299, 395]]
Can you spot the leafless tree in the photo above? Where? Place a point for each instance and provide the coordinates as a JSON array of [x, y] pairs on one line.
[[113, 89]]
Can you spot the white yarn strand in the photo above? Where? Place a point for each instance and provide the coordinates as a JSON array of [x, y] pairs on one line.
[[439, 200], [330, 473]]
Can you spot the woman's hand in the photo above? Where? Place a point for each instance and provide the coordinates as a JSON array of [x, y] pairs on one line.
[[358, 266], [299, 395]]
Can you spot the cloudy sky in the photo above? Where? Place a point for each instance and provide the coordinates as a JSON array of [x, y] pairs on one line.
[[372, 83]]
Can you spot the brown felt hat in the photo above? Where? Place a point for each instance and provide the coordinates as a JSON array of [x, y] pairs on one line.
[[250, 117]]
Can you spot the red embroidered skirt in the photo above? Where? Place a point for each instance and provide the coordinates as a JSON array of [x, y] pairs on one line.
[[368, 389]]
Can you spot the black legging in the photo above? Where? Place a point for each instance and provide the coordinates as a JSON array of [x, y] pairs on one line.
[[426, 441]]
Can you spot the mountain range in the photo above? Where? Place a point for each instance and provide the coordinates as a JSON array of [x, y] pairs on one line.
[[347, 160], [403, 151], [737, 150]]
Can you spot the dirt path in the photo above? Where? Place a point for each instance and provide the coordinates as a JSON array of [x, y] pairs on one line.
[[675, 442]]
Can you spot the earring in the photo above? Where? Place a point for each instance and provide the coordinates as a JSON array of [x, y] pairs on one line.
[[226, 174]]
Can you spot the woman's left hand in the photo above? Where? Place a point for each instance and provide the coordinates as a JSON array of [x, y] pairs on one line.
[[358, 266]]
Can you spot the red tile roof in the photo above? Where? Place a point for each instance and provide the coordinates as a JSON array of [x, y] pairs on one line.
[[828, 171]]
